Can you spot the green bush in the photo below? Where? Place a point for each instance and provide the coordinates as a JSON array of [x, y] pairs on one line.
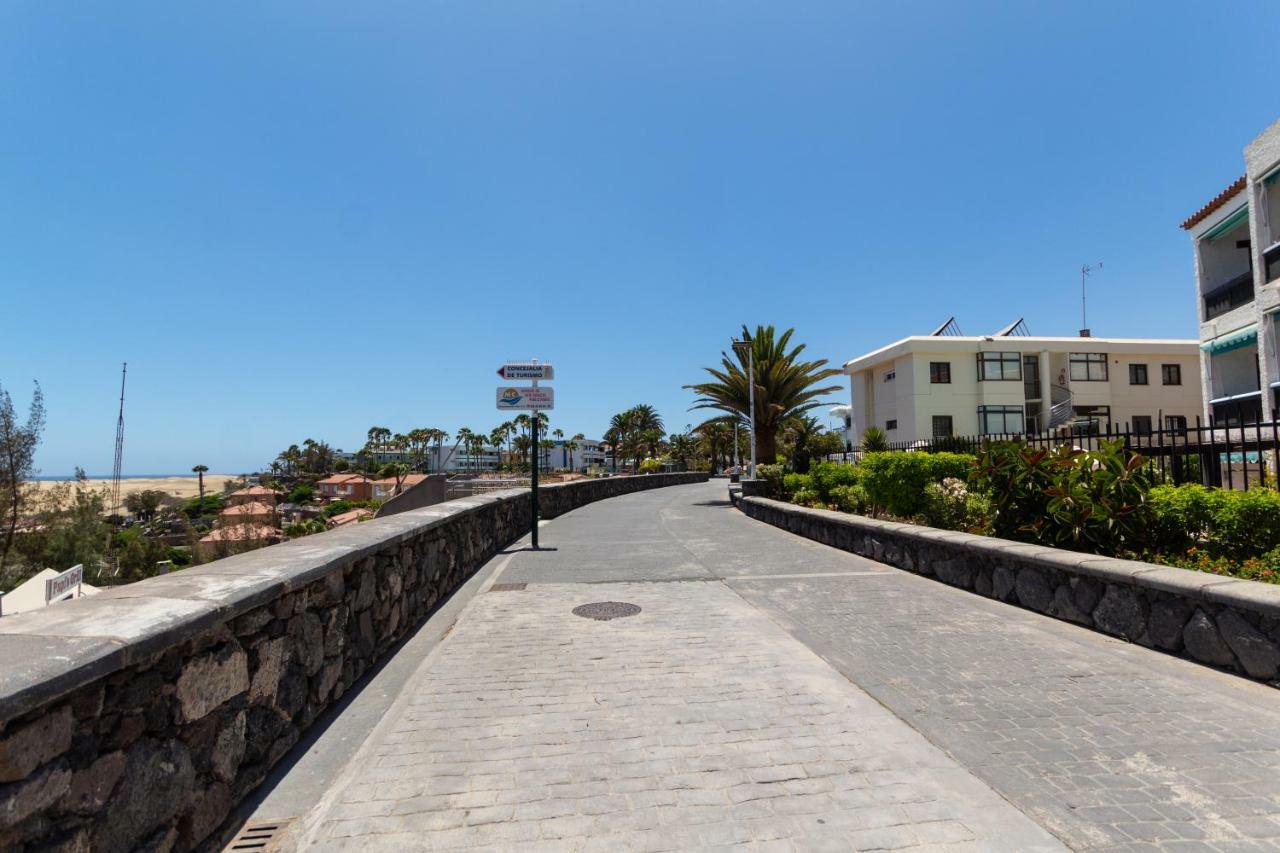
[[829, 476], [952, 506], [874, 440], [1087, 501], [792, 483], [337, 508], [302, 493], [850, 499], [806, 497], [772, 475], [1180, 516], [895, 481], [1244, 524]]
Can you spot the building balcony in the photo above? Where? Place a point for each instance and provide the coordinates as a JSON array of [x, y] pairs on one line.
[[1271, 257], [1231, 294]]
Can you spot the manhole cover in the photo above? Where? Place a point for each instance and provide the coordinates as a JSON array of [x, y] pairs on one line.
[[605, 610]]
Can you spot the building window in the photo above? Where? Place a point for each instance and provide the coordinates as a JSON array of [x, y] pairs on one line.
[[999, 420], [942, 427], [1091, 420], [996, 366], [891, 424], [891, 375], [1176, 423], [1137, 374], [1142, 424], [940, 372], [1171, 374], [1088, 367]]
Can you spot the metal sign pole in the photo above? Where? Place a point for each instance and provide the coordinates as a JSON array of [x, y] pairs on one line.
[[533, 479]]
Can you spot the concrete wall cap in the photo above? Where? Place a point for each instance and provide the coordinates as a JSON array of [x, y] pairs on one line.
[[39, 669], [1246, 595], [1182, 582]]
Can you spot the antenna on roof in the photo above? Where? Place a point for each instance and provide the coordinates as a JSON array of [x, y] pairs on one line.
[[1084, 273], [1018, 328], [948, 329]]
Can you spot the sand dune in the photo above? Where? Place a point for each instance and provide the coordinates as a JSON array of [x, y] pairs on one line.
[[179, 487]]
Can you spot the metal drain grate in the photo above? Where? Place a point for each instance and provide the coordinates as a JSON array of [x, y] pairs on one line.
[[260, 837], [602, 611], [507, 587]]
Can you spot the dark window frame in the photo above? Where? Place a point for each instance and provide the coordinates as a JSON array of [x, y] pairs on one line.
[[891, 424], [1134, 369], [1170, 370], [1002, 361], [985, 412], [939, 373], [950, 424], [1142, 425], [1088, 360]]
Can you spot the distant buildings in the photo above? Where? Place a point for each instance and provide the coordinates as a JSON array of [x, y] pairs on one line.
[[1237, 258], [253, 494], [945, 384]]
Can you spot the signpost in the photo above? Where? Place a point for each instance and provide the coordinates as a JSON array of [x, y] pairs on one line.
[[527, 370], [64, 585], [536, 400]]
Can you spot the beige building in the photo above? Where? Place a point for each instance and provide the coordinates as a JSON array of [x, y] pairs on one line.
[[1237, 251], [945, 384]]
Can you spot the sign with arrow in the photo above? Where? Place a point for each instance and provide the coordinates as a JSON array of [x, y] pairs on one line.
[[527, 370]]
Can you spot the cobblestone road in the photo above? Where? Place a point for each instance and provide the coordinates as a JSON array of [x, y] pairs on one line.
[[781, 694]]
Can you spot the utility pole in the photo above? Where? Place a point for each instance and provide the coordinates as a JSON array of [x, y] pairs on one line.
[[115, 470], [1084, 274]]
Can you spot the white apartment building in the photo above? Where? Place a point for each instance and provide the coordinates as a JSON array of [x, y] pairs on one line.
[[1237, 254], [588, 452], [945, 384]]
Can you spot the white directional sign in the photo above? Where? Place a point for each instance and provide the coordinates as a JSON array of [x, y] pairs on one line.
[[63, 585], [512, 397], [526, 370]]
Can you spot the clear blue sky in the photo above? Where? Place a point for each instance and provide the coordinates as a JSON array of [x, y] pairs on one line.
[[302, 219]]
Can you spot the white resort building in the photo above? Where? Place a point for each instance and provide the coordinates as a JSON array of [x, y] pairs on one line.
[[1237, 252], [944, 384]]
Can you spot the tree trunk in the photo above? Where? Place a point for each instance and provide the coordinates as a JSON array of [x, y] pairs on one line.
[[766, 445]]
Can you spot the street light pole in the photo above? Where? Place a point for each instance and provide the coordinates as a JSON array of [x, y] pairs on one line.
[[739, 347]]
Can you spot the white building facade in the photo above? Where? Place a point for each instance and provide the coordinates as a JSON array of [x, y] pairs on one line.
[[1236, 237], [927, 387]]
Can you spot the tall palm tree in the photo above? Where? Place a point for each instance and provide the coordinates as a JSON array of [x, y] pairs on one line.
[[464, 441], [558, 434], [199, 472], [571, 447], [785, 385]]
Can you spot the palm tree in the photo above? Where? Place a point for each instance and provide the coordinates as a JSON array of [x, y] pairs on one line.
[[558, 434], [464, 440], [571, 447], [802, 434], [717, 441], [785, 386], [199, 472]]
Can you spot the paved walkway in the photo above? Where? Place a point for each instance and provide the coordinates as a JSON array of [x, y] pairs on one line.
[[781, 694]]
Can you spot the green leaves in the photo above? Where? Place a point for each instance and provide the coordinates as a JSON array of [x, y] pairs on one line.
[[1067, 497]]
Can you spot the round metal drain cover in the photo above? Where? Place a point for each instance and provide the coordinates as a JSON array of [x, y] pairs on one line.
[[605, 610]]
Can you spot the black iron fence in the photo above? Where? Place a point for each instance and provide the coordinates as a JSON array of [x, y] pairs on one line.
[[1232, 456]]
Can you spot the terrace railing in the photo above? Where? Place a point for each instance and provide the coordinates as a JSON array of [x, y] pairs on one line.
[[1225, 455]]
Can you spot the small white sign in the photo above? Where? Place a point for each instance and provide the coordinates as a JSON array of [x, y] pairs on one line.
[[65, 585], [527, 370], [511, 397]]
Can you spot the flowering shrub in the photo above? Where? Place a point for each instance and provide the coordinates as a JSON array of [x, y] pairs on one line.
[[951, 505]]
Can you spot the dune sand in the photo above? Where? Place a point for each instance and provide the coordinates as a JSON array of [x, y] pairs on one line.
[[179, 487]]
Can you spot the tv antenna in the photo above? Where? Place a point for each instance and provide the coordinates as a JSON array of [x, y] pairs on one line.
[[115, 471], [1084, 274]]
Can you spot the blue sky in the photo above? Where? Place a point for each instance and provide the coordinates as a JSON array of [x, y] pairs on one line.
[[302, 219]]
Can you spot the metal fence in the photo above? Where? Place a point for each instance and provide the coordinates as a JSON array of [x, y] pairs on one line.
[[1232, 456]]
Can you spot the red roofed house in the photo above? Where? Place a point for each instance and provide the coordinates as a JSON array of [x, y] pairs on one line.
[[351, 487], [253, 494]]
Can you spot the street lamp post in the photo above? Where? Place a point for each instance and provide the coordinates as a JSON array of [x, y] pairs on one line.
[[740, 347]]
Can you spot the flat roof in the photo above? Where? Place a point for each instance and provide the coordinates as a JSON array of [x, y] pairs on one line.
[[992, 343]]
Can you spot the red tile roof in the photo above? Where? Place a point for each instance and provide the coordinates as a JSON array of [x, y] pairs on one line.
[[241, 533], [1218, 201], [253, 490], [339, 479], [253, 508]]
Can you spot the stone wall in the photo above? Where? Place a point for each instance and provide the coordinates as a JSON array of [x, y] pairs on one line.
[[1225, 622], [138, 718]]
